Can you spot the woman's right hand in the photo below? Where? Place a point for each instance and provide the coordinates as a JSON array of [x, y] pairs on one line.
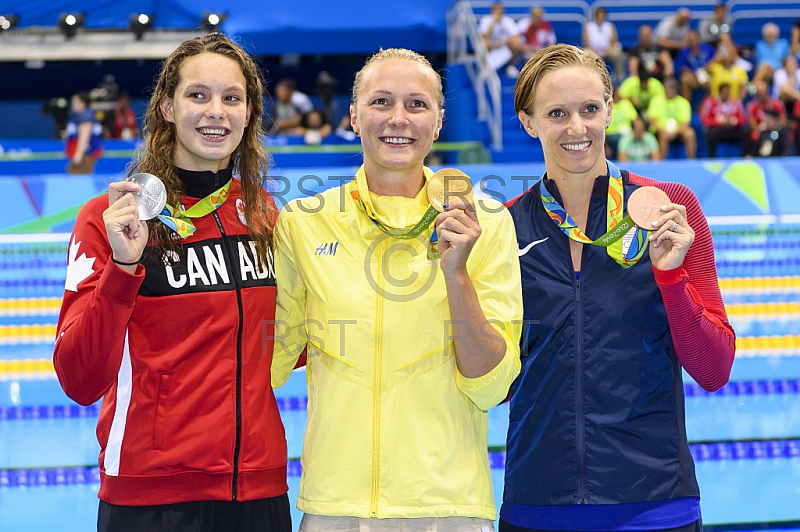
[[127, 235]]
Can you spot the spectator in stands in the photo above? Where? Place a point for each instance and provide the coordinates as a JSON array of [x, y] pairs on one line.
[[535, 32], [770, 51], [501, 37], [672, 31], [326, 90], [795, 43], [786, 82], [724, 120], [719, 23], [670, 114], [691, 64], [84, 136], [601, 36], [657, 61], [126, 126], [756, 114], [621, 122], [638, 144], [314, 127], [724, 69], [289, 109], [774, 140], [641, 89]]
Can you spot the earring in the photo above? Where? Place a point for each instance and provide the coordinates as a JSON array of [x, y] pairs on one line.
[[608, 126]]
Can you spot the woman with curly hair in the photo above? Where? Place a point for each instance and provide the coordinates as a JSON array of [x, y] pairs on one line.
[[162, 319]]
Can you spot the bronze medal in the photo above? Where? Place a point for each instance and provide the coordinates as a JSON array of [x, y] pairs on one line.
[[644, 206]]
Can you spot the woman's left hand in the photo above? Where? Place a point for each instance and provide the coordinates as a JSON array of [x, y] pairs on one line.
[[671, 238], [458, 230]]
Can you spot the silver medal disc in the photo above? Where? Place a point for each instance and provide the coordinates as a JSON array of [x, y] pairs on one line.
[[152, 195]]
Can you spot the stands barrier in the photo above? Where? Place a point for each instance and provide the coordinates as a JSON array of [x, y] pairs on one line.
[[31, 156]]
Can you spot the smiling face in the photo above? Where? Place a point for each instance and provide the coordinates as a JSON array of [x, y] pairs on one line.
[[397, 115], [209, 111], [569, 116]]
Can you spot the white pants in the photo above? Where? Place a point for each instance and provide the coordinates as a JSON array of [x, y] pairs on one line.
[[321, 523]]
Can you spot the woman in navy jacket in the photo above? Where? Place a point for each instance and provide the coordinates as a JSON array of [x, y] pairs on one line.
[[597, 439]]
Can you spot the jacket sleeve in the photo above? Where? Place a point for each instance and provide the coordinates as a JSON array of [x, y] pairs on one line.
[[290, 311], [703, 338], [499, 288], [99, 299]]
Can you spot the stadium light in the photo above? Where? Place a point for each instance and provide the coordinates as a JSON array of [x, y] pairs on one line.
[[70, 23], [8, 21], [212, 21], [139, 23]]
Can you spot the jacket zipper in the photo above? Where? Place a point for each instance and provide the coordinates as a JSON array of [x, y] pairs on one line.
[[581, 426], [377, 388], [238, 443]]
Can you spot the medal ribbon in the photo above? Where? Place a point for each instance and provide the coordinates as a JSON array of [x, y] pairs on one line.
[[179, 220], [618, 226], [424, 224]]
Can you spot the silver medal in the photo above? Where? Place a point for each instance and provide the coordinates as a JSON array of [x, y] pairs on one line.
[[151, 197]]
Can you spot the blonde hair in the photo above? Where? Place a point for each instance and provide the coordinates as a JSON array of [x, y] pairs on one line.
[[250, 160], [550, 59], [398, 53]]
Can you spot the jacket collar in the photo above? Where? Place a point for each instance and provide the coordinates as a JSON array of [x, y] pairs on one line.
[[201, 184]]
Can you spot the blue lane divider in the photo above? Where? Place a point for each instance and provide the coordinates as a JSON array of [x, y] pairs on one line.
[[288, 404], [745, 450], [67, 476], [10, 413], [776, 387], [716, 451]]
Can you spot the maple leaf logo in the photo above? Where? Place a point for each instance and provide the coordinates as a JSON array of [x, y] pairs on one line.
[[78, 268]]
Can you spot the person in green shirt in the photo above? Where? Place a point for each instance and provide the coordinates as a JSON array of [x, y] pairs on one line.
[[621, 122], [670, 116], [639, 144], [641, 89]]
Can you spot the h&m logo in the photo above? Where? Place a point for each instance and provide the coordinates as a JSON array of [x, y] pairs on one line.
[[327, 248]]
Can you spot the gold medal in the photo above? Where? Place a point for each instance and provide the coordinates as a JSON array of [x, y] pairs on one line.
[[446, 184]]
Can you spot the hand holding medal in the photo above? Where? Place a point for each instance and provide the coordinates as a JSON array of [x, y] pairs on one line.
[[651, 209], [126, 214], [450, 193]]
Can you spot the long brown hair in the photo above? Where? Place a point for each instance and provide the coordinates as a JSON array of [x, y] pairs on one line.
[[250, 159]]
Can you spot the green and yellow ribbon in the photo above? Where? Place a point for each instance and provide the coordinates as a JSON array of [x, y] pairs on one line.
[[426, 223], [617, 225], [179, 220]]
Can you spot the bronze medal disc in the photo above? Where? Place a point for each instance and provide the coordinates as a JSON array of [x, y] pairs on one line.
[[644, 206], [446, 184]]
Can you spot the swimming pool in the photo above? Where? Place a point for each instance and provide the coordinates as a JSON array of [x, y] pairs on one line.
[[745, 438]]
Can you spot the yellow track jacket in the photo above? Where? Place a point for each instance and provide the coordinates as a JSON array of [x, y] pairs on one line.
[[394, 430]]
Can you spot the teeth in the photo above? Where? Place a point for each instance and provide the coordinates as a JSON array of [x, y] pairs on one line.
[[576, 147], [397, 140], [212, 132]]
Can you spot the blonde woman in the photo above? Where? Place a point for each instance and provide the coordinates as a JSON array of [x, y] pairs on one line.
[[411, 321]]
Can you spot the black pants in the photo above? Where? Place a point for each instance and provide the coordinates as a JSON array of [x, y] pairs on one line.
[[262, 515], [732, 135], [697, 526]]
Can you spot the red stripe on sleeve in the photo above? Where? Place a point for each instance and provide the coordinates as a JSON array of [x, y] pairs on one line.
[[704, 340]]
